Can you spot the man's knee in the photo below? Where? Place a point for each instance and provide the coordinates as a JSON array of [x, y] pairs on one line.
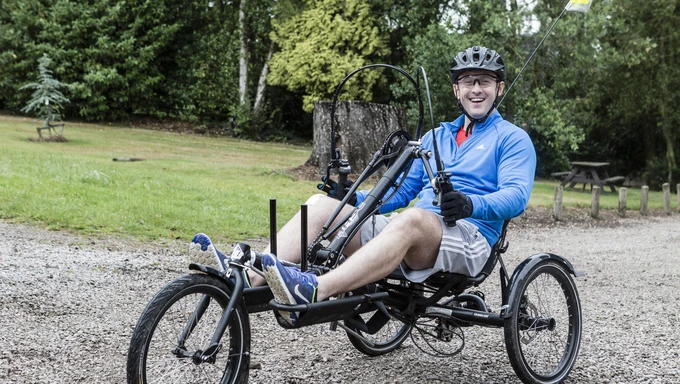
[[316, 199], [415, 220], [321, 207], [419, 233]]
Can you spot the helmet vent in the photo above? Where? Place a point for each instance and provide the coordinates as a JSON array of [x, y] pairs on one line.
[[477, 57]]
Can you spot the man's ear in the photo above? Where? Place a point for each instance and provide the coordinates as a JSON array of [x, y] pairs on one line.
[[501, 87], [455, 91]]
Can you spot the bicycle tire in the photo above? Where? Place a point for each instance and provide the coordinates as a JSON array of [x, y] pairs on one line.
[[386, 340], [150, 356], [543, 335]]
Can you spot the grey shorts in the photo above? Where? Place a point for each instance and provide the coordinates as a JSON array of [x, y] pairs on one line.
[[462, 250]]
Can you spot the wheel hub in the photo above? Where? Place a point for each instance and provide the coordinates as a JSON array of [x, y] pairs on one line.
[[197, 358], [551, 324]]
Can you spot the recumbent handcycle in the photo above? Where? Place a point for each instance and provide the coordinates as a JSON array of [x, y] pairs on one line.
[[197, 329]]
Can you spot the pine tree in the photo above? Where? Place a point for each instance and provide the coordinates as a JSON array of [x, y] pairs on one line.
[[47, 99]]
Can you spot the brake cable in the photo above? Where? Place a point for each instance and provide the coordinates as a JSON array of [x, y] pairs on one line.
[[336, 162]]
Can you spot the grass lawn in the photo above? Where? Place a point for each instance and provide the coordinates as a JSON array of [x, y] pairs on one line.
[[186, 183], [544, 192]]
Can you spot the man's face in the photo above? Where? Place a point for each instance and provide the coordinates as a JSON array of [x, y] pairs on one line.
[[476, 90]]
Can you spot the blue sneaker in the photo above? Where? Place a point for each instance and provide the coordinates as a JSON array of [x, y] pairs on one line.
[[289, 285], [203, 251]]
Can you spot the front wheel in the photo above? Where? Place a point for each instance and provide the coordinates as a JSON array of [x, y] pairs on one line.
[[543, 334], [189, 309]]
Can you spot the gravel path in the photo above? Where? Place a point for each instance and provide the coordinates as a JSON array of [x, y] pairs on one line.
[[69, 304]]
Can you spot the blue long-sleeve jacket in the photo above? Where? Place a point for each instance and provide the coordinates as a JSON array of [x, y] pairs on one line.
[[495, 167]]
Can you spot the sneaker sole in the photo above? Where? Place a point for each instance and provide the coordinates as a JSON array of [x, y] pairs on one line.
[[207, 257], [280, 291]]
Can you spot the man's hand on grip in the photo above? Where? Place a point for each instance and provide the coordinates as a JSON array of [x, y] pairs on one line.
[[454, 205]]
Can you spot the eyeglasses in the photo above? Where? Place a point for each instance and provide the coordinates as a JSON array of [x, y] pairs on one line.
[[485, 81]]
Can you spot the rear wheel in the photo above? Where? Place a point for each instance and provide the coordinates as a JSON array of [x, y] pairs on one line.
[[388, 338], [543, 334], [156, 355]]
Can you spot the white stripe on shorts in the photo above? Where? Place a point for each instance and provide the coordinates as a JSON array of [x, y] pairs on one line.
[[463, 249]]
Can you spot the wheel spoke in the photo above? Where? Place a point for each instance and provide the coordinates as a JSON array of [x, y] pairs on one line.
[[169, 330], [165, 320], [546, 330], [388, 338]]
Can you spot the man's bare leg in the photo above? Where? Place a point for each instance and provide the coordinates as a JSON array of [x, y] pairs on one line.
[[413, 236], [319, 209]]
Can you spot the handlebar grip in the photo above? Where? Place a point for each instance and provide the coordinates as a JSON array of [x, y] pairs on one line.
[[445, 186]]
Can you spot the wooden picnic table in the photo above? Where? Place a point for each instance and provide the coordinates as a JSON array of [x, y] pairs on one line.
[[593, 173]]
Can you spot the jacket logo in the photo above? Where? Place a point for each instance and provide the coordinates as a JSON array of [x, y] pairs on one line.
[[480, 146]]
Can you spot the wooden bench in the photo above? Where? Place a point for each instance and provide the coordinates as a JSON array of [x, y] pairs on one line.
[[614, 180], [560, 175], [51, 127], [589, 172]]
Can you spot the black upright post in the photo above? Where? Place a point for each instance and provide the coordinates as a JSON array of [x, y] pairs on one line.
[[303, 237], [272, 227]]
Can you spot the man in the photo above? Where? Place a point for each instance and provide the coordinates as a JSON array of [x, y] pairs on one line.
[[492, 165]]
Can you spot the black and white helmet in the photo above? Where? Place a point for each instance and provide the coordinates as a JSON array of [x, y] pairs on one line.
[[477, 57]]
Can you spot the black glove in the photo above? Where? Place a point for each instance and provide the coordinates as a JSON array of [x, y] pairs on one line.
[[454, 205], [330, 186]]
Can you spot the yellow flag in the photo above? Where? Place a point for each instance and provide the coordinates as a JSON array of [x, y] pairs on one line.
[[579, 5]]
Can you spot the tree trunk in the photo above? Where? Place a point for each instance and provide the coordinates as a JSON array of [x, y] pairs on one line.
[[670, 152], [243, 59], [262, 83], [361, 129], [649, 142]]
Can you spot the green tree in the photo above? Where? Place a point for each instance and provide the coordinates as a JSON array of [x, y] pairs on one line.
[[255, 51], [544, 99], [640, 74], [552, 99], [322, 44], [113, 52], [47, 98], [404, 21], [201, 67]]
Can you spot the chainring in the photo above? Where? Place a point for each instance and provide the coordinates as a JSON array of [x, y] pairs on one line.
[[394, 143]]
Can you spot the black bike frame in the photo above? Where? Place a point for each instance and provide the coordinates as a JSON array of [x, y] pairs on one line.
[[350, 225]]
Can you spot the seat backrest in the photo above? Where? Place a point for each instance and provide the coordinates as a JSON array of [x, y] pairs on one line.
[[500, 247]]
